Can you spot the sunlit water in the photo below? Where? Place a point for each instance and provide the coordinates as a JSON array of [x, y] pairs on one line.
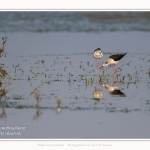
[[53, 76]]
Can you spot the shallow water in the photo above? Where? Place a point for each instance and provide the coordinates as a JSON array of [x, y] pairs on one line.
[[52, 80]]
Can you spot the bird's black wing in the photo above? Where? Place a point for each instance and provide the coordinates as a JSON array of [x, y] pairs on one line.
[[117, 57]]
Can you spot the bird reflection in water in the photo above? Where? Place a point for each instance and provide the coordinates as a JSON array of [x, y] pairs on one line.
[[114, 89], [97, 94]]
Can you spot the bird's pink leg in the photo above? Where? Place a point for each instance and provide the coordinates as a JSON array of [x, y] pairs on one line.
[[117, 81], [117, 68], [113, 68], [112, 79], [96, 67], [96, 70], [97, 64], [117, 74], [100, 65]]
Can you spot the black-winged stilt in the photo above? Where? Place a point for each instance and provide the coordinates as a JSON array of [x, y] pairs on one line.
[[98, 55], [114, 59]]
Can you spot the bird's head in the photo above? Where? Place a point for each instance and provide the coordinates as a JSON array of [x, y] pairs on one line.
[[105, 64], [99, 50]]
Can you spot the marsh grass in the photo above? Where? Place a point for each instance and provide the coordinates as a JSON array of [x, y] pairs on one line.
[[89, 81], [3, 92], [38, 114], [3, 114], [4, 39], [35, 75], [59, 103], [35, 89], [38, 96], [3, 73]]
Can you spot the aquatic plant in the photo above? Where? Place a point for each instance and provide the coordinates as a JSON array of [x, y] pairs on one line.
[[148, 72], [37, 114], [136, 77], [76, 97], [59, 103], [37, 95], [36, 75], [1, 84], [3, 73], [89, 81], [3, 92], [4, 39], [104, 78], [3, 114], [35, 90]]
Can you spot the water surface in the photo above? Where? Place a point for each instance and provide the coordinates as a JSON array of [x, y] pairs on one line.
[[51, 85]]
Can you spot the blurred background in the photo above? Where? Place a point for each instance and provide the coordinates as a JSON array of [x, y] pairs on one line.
[[74, 21]]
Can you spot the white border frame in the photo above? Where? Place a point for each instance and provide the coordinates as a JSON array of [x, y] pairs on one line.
[[75, 5]]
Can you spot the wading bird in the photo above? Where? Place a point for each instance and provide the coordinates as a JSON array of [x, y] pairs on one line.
[[113, 60], [98, 55]]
